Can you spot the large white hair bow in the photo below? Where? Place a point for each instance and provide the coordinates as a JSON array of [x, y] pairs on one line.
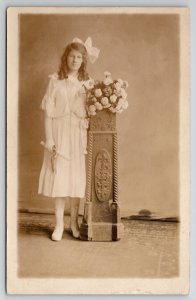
[[93, 52]]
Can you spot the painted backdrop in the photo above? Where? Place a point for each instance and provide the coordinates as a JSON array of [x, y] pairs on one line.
[[142, 49]]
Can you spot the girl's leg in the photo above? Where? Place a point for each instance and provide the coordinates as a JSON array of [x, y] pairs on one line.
[[59, 215], [74, 209]]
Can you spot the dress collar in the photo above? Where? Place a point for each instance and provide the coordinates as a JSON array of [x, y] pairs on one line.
[[72, 78]]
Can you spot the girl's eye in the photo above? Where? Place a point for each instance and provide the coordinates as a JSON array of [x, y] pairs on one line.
[[72, 56]]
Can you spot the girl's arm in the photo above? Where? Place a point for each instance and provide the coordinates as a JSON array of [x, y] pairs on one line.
[[48, 133], [48, 105]]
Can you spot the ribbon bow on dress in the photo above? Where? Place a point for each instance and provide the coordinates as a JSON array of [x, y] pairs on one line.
[[93, 52]]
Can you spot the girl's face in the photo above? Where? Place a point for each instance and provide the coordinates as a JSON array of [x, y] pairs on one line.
[[74, 60]]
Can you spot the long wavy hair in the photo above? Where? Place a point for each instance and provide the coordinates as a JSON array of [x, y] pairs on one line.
[[63, 70]]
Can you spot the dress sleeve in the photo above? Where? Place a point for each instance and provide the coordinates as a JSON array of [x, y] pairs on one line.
[[48, 101]]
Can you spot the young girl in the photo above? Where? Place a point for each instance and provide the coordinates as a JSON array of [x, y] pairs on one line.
[[63, 172]]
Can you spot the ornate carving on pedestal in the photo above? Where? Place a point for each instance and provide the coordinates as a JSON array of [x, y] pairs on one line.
[[115, 171], [90, 155], [103, 175], [101, 221]]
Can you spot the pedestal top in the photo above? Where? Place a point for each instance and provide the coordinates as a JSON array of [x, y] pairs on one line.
[[104, 120]]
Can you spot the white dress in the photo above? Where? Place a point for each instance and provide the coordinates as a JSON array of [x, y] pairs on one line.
[[64, 102]]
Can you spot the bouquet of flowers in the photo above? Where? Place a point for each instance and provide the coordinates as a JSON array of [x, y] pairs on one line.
[[107, 94]]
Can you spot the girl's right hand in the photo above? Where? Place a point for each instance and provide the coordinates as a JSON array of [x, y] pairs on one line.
[[49, 144]]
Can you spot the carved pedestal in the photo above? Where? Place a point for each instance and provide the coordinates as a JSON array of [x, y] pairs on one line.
[[101, 221]]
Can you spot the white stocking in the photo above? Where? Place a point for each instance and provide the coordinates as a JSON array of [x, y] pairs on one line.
[[59, 215]]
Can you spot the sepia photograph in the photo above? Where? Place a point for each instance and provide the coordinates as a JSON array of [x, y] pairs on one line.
[[98, 150]]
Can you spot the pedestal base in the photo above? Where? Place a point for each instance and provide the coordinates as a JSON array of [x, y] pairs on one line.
[[101, 232]]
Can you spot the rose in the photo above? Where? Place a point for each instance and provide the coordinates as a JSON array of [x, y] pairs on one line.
[[92, 110], [118, 107], [107, 105], [120, 81], [125, 105], [121, 101], [123, 94], [104, 101], [106, 73], [117, 92], [98, 92], [97, 82], [89, 84], [107, 91], [113, 98], [98, 106], [94, 99], [107, 80], [117, 85], [125, 84], [112, 109], [119, 104]]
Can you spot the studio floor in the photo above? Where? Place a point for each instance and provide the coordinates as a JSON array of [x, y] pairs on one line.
[[147, 249]]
